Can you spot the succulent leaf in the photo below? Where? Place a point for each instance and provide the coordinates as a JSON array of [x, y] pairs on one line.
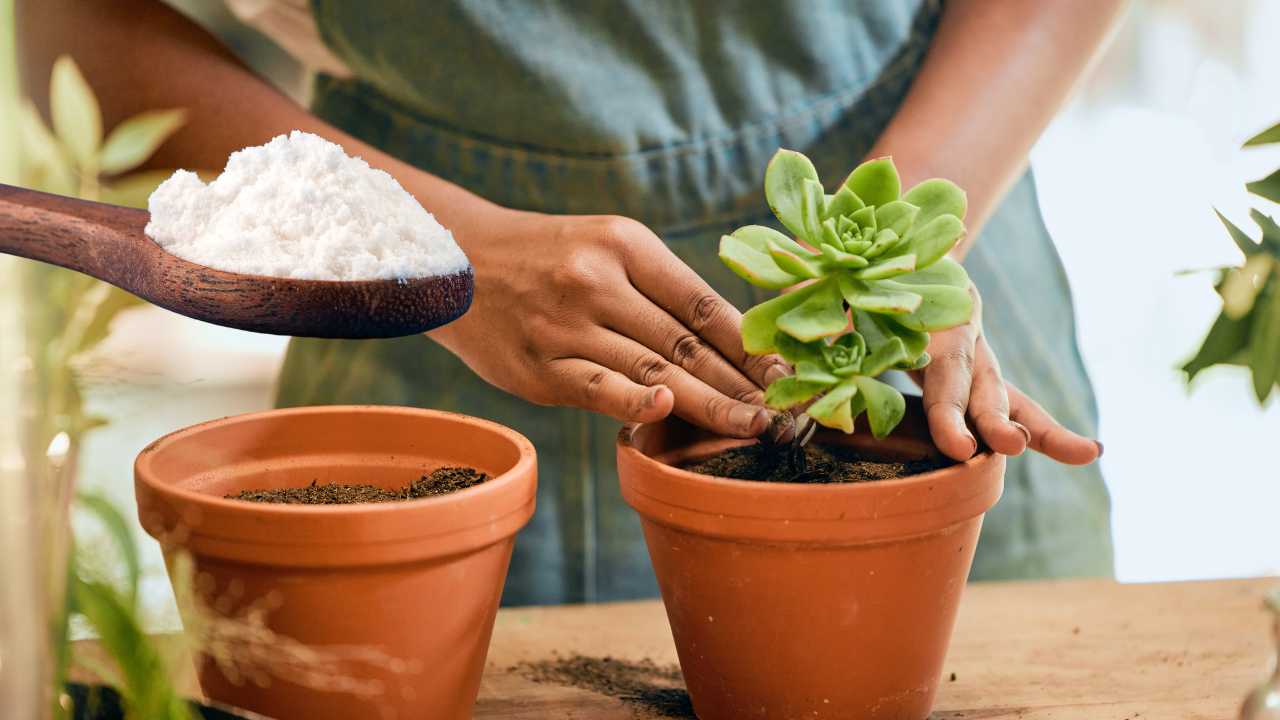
[[891, 267], [812, 372], [840, 259], [759, 237], [784, 187], [888, 355], [811, 205], [942, 306], [819, 315], [833, 409], [796, 352], [878, 297], [885, 405], [792, 263], [760, 323], [876, 181], [936, 197], [897, 216], [844, 202], [877, 329], [790, 391], [943, 272], [935, 239], [755, 267]]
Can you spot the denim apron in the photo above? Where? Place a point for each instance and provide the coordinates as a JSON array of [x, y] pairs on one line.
[[667, 111]]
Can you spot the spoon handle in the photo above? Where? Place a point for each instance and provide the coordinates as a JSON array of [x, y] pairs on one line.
[[93, 238]]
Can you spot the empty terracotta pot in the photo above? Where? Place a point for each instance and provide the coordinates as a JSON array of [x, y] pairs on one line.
[[808, 601], [397, 600]]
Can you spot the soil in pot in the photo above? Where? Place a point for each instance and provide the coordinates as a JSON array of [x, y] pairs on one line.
[[814, 463], [438, 482]]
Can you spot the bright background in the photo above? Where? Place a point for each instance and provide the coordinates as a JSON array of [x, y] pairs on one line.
[[1128, 176]]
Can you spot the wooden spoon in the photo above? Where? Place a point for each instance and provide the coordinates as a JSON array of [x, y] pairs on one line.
[[108, 242]]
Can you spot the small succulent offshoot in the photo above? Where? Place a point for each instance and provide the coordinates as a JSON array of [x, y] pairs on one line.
[[871, 279]]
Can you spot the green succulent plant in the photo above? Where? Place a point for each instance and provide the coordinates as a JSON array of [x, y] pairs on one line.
[[871, 278], [1247, 332]]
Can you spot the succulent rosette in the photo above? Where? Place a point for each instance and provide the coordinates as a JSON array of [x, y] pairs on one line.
[[871, 279]]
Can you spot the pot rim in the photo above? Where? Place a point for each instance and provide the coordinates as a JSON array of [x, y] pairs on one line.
[[336, 535], [145, 473]]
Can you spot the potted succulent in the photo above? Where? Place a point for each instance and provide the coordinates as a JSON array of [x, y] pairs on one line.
[[814, 598], [388, 606]]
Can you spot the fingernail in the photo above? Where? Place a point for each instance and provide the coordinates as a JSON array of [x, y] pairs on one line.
[[973, 443], [1023, 428], [652, 398], [1100, 448], [774, 373], [746, 417]]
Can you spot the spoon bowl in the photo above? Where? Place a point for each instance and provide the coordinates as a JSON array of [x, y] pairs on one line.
[[109, 242]]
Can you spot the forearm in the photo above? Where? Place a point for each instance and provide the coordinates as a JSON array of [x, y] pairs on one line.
[[995, 75], [141, 55]]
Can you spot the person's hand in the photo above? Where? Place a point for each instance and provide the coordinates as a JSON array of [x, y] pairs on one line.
[[963, 380], [596, 312]]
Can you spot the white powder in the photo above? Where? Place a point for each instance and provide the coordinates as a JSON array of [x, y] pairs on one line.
[[299, 207]]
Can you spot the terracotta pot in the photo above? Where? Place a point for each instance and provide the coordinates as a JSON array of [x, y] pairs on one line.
[[399, 597], [808, 601]]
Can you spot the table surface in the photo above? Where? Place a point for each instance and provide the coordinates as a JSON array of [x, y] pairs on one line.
[[1056, 650]]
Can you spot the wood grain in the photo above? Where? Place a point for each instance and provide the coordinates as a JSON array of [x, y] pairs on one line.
[[108, 242], [1069, 650]]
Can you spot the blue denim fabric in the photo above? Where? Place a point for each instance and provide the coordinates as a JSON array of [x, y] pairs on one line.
[[667, 111]]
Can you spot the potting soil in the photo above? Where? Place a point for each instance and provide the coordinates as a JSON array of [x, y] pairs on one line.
[[438, 482], [820, 464]]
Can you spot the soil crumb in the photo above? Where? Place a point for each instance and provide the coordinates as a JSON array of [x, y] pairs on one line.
[[652, 690], [438, 482], [821, 464]]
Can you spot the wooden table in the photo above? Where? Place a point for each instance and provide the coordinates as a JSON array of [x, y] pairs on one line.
[[1063, 650]]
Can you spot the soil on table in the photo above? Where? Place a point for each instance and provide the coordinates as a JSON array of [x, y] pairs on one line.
[[438, 482], [650, 689], [818, 464]]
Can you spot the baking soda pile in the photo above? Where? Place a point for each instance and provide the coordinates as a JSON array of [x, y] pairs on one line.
[[300, 207]]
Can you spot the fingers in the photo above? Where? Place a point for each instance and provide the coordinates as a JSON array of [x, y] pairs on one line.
[[599, 389], [947, 381], [989, 405], [662, 277], [694, 401], [634, 316], [1049, 437]]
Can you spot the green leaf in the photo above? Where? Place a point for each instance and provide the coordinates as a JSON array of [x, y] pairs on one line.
[[811, 372], [1266, 137], [784, 187], [794, 264], [136, 139], [834, 409], [941, 307], [889, 354], [844, 202], [118, 529], [879, 329], [1243, 241], [1268, 187], [937, 197], [787, 392], [820, 315], [77, 120], [811, 210], [831, 236], [759, 237], [874, 297], [753, 266], [885, 241], [885, 405], [875, 181], [896, 216], [1264, 342], [890, 267], [795, 351], [943, 272], [843, 260], [935, 239], [1225, 341], [135, 189], [760, 323], [865, 219], [1270, 231]]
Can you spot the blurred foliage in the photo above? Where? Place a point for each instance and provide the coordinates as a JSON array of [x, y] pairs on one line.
[[66, 316], [1247, 332]]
